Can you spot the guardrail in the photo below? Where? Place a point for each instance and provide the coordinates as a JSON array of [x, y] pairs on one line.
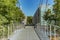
[[7, 30], [48, 32], [53, 32]]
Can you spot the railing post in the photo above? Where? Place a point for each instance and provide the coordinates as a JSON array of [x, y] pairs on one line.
[[50, 32], [55, 33], [8, 31], [47, 29]]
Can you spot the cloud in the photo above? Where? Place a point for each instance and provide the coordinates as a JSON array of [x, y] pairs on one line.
[[21, 7]]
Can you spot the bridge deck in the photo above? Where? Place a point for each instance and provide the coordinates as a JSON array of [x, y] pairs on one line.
[[25, 34]]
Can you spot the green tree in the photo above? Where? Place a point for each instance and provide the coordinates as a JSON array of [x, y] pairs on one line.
[[9, 12], [56, 9], [29, 19], [47, 15]]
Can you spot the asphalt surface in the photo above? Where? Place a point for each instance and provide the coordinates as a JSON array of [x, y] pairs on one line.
[[27, 33]]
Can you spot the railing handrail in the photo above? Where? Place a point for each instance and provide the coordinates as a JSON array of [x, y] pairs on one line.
[[54, 25]]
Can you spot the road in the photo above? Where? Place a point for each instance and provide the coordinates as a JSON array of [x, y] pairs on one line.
[[27, 33]]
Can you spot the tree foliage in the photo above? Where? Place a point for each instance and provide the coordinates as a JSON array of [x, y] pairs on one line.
[[47, 14], [9, 12], [29, 19], [56, 9]]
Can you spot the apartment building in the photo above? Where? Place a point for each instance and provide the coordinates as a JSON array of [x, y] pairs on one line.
[[36, 17]]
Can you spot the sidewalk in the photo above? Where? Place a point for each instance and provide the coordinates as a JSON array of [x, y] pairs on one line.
[[3, 39], [42, 33], [25, 34]]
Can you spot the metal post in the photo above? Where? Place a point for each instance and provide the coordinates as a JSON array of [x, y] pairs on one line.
[[55, 33], [41, 2], [50, 33], [46, 10], [47, 28], [8, 31]]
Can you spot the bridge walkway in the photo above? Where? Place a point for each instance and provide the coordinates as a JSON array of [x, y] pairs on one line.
[[27, 33]]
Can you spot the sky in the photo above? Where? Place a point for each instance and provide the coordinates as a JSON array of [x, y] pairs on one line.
[[30, 6]]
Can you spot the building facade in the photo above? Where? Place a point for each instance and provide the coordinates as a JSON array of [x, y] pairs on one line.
[[39, 24], [36, 17]]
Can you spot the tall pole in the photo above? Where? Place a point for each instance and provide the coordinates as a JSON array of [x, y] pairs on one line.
[[41, 2], [46, 28], [46, 5]]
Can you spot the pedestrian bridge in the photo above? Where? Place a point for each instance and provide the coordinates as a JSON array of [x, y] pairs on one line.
[[40, 32], [48, 32], [27, 33], [36, 32]]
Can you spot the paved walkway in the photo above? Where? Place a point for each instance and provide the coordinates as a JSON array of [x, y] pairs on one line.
[[24, 34], [42, 33]]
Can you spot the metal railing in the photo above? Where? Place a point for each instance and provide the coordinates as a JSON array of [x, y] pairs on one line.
[[53, 32], [48, 32], [7, 30]]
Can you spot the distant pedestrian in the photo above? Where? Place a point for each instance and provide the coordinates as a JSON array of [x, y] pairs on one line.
[[23, 22], [35, 26]]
